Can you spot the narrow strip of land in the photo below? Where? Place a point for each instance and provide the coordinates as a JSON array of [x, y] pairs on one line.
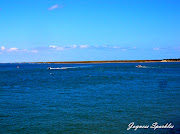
[[111, 61]]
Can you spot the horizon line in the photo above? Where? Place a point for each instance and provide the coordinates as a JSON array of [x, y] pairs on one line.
[[107, 61]]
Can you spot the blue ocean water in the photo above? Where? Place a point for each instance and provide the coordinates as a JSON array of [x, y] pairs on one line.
[[89, 98]]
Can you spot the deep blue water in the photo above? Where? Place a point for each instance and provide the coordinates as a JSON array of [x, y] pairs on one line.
[[90, 98]]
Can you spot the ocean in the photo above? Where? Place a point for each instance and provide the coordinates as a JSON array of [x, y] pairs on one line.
[[89, 98]]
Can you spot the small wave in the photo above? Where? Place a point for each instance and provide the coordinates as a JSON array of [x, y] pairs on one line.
[[153, 67], [68, 67], [148, 67], [60, 67], [56, 68]]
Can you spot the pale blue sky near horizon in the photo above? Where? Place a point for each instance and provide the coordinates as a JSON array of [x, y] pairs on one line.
[[76, 30]]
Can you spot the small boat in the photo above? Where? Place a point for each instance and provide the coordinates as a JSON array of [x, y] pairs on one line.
[[17, 66], [139, 66], [56, 68]]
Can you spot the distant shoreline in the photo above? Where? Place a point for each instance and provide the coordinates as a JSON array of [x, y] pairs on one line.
[[110, 61]]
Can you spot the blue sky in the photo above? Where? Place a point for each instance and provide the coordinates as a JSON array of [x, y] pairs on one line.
[[76, 30]]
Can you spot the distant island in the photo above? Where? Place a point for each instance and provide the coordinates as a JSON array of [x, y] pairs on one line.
[[110, 61]]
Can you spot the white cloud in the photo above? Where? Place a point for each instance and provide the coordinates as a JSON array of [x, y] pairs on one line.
[[83, 46], [54, 7], [13, 49], [65, 47], [56, 47], [68, 47], [116, 47], [107, 47], [2, 48], [53, 46]]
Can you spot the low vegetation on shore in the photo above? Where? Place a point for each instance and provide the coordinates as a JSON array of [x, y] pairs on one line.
[[112, 61]]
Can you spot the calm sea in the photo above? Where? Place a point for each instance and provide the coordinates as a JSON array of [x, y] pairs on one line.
[[89, 98]]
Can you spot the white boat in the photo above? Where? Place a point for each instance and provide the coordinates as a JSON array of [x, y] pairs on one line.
[[139, 66], [56, 68]]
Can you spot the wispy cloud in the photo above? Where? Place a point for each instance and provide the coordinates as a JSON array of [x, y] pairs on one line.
[[53, 46], [56, 47], [156, 49], [55, 7], [88, 46], [116, 47], [2, 48], [68, 47], [13, 49], [73, 46], [83, 46], [65, 47], [34, 51]]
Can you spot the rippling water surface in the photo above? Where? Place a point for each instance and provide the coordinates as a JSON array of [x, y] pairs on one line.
[[89, 98]]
